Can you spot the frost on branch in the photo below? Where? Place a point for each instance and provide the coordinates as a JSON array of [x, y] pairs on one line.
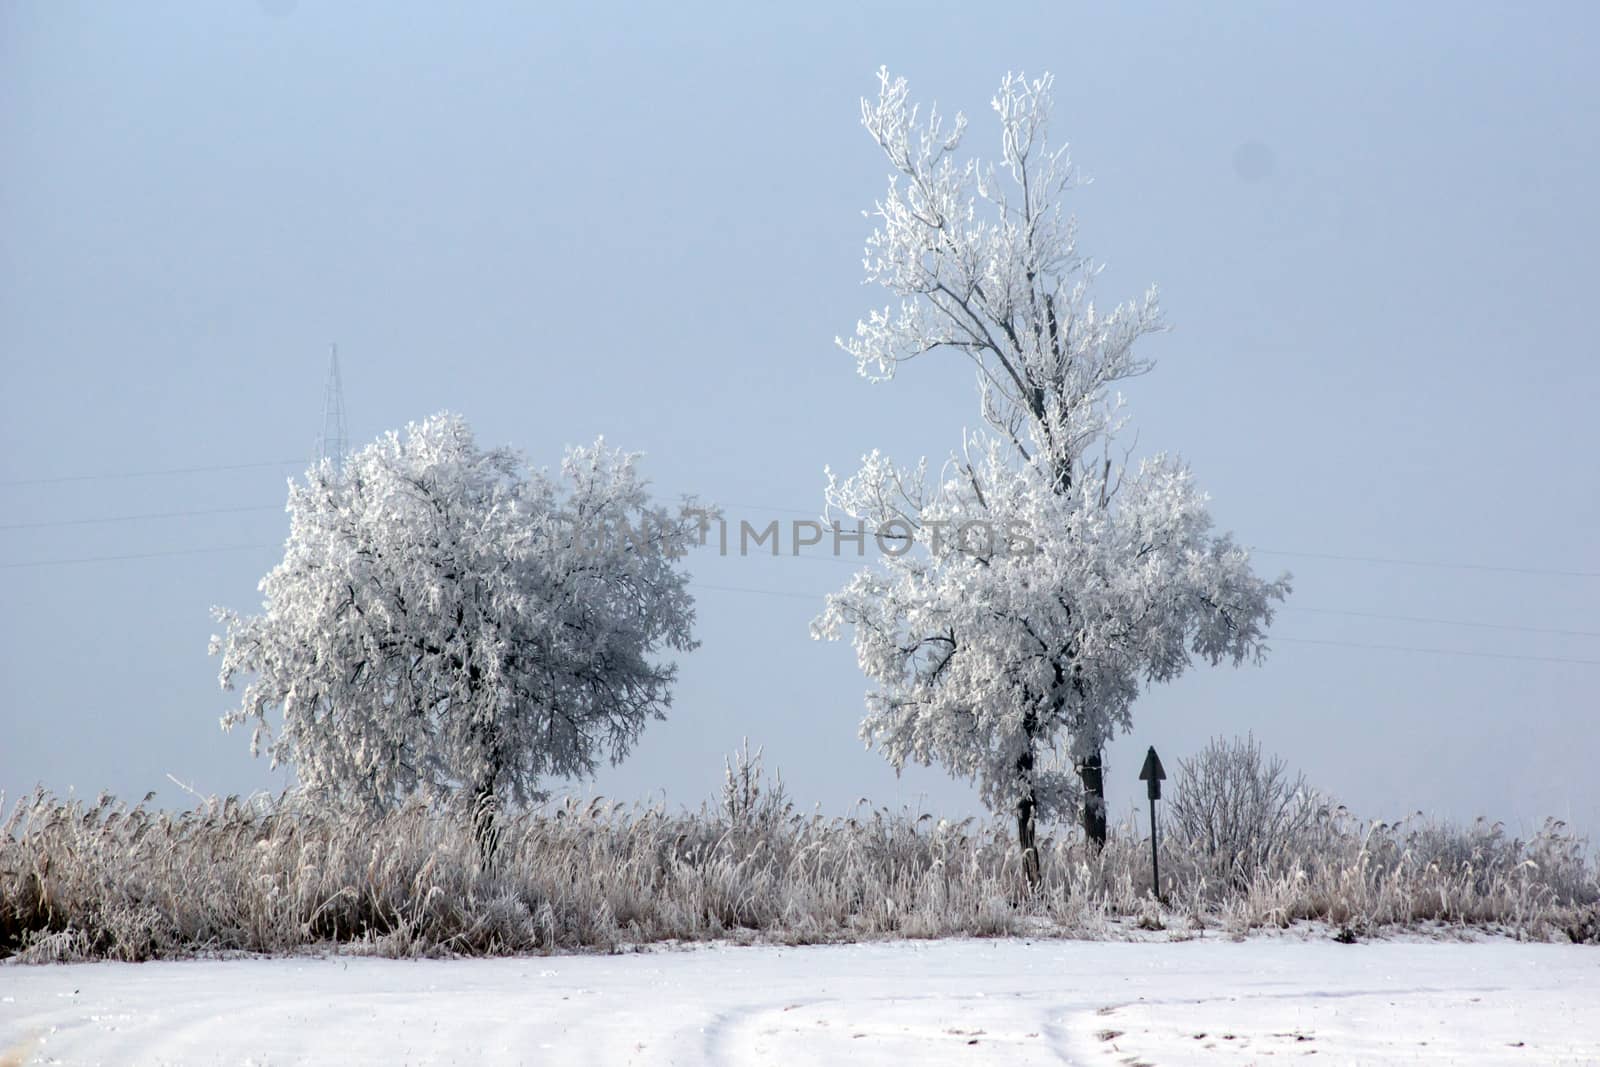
[[984, 261], [995, 662], [1004, 665], [445, 618]]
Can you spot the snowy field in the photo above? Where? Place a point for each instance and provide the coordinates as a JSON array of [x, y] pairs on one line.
[[904, 1003]]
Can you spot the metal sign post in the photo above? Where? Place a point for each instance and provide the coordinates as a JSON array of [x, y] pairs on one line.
[[1153, 774]]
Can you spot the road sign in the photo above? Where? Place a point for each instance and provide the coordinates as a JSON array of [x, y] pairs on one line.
[[1153, 774]]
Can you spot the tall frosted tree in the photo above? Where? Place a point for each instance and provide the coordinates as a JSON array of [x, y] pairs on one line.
[[446, 619], [1053, 578]]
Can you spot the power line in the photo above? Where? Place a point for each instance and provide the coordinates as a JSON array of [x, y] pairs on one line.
[[1421, 619], [762, 592], [1271, 637], [812, 512], [1434, 651], [133, 518], [817, 597], [1381, 560], [1416, 619], [113, 475], [135, 555], [1431, 563], [1445, 622], [1438, 564]]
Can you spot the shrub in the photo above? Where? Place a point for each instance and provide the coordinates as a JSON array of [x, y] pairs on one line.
[[746, 797], [1242, 812]]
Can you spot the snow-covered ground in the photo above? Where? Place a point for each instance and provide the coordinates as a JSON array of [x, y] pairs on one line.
[[905, 1003]]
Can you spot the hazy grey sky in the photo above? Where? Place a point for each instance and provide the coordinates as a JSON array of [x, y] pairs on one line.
[[1374, 231]]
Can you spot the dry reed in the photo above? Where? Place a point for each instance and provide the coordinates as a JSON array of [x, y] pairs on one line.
[[104, 880]]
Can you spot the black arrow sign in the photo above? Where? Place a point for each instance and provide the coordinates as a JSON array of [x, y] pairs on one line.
[[1153, 773]]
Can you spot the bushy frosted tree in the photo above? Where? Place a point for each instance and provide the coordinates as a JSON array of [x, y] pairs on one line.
[[1009, 659], [447, 619]]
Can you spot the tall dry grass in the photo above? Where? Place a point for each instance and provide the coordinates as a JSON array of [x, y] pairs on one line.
[[104, 880]]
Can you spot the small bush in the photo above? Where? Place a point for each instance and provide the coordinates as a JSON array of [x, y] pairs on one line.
[[1241, 812], [746, 797]]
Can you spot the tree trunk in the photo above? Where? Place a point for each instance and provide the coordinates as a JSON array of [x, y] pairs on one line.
[[1027, 807], [485, 802], [484, 830], [1027, 840], [1094, 800]]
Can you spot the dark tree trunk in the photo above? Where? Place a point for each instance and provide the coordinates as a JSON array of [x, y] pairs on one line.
[[484, 829], [1027, 808], [485, 801], [1027, 840], [1094, 800]]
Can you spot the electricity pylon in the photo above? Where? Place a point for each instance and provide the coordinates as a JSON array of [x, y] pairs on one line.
[[333, 441]]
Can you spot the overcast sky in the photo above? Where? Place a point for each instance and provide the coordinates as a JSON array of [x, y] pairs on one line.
[[1374, 231]]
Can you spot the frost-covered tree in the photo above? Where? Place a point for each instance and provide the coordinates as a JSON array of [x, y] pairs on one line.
[[1010, 659], [446, 619]]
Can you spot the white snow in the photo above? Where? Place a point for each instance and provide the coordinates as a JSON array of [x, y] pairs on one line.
[[903, 1003]]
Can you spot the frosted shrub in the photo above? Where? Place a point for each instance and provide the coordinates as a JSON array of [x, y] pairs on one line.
[[1241, 812], [746, 798]]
